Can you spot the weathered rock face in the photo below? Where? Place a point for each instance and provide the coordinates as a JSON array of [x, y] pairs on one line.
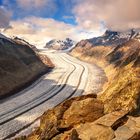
[[130, 130], [113, 126], [92, 131], [136, 136], [87, 131], [68, 115], [82, 111], [82, 118], [19, 65]]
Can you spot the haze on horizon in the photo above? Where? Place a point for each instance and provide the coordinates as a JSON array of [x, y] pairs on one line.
[[39, 21]]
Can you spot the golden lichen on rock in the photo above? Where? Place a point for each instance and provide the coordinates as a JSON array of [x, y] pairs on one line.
[[66, 116], [123, 92]]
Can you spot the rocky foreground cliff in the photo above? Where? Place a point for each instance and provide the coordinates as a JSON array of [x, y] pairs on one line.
[[83, 118], [19, 65], [113, 114]]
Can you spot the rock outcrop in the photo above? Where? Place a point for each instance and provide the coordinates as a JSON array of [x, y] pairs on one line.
[[68, 115], [83, 118]]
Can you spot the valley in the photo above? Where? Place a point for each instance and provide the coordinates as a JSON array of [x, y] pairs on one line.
[[92, 86], [69, 78], [69, 70]]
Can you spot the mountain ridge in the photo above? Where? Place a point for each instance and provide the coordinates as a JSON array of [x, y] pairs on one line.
[[20, 65], [60, 44], [112, 38]]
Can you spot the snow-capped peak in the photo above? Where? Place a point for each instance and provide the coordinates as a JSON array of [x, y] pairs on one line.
[[60, 44], [115, 38]]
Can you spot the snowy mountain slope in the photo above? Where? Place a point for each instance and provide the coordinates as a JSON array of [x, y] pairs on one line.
[[113, 38], [60, 44]]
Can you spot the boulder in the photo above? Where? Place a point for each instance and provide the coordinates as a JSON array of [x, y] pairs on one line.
[[67, 115]]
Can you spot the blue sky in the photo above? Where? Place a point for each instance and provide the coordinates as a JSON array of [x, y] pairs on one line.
[[42, 20], [61, 11], [45, 20]]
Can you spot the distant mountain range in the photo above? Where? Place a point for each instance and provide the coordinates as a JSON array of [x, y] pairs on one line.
[[60, 44], [109, 38], [114, 38]]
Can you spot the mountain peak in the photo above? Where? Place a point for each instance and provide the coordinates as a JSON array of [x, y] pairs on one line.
[[114, 38], [109, 32], [60, 44]]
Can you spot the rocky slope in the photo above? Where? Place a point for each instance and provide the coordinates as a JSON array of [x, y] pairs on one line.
[[122, 92], [60, 44], [19, 65], [83, 118], [121, 64]]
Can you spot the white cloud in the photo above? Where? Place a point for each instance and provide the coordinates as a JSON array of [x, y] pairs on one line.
[[116, 14], [40, 30], [68, 17], [31, 3], [36, 7], [4, 17]]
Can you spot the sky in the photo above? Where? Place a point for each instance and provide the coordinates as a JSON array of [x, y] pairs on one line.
[[39, 21]]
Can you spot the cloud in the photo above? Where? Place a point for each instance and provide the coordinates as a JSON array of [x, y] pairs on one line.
[[39, 30], [116, 15], [68, 17], [31, 3], [24, 8], [4, 17], [36, 4]]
